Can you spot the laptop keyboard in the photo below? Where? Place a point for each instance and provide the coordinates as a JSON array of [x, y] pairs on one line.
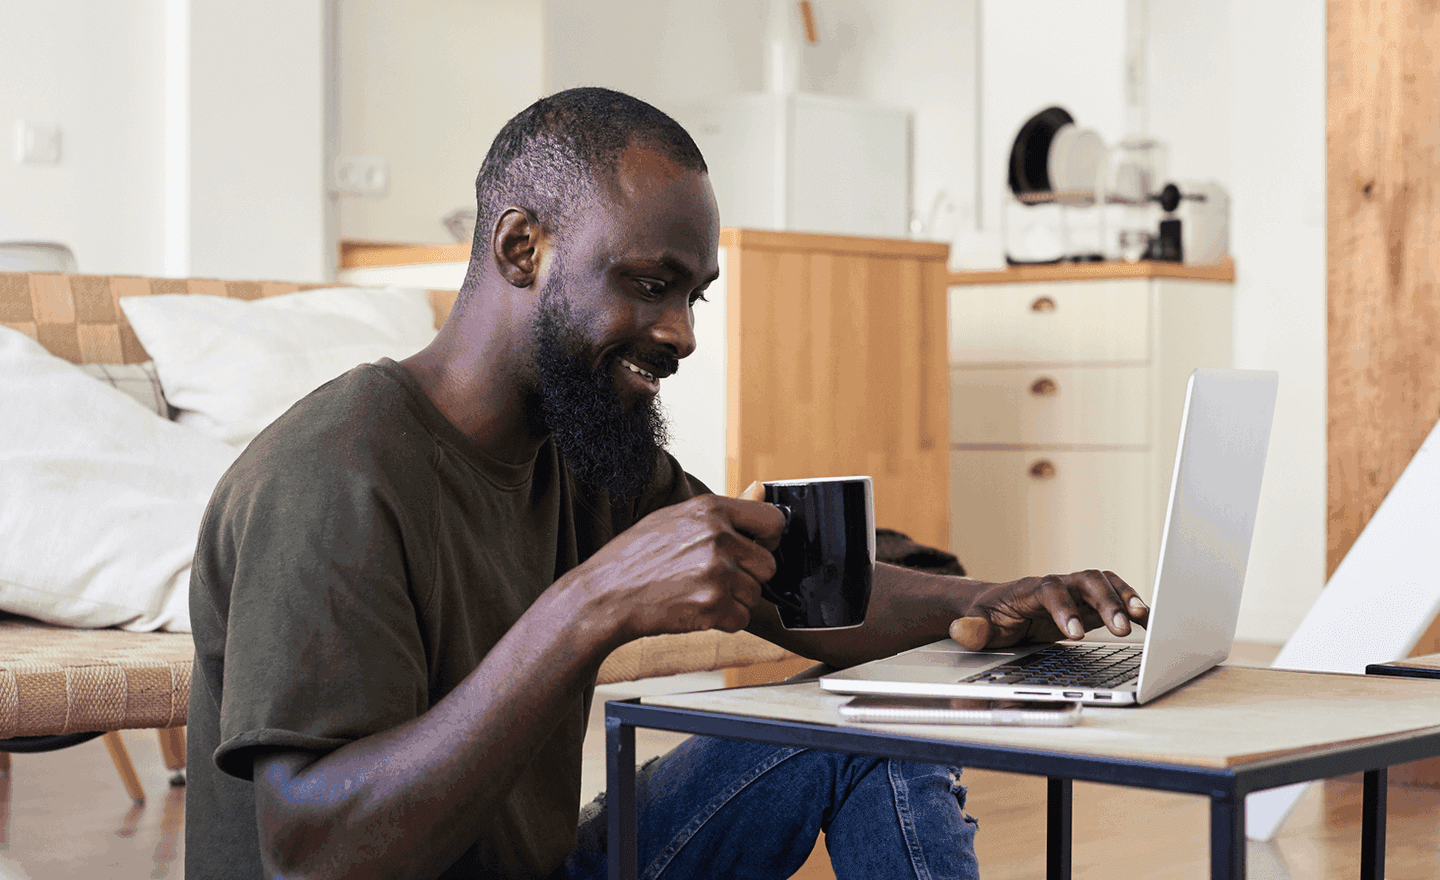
[[1092, 666]]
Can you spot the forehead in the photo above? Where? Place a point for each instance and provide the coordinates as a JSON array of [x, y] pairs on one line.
[[650, 208]]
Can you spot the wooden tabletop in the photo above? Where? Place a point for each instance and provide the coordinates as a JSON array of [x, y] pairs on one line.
[[1230, 716]]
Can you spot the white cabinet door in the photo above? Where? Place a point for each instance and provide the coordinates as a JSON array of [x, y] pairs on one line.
[[1050, 406], [1025, 512]]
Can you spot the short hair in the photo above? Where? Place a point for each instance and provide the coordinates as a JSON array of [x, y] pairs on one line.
[[552, 155]]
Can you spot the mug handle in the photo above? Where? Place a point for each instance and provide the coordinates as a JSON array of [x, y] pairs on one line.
[[769, 594]]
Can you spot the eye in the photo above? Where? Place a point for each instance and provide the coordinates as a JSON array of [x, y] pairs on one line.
[[698, 296], [652, 286]]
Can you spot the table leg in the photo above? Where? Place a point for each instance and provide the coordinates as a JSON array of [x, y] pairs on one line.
[[1227, 838], [1372, 825], [1058, 825], [620, 798]]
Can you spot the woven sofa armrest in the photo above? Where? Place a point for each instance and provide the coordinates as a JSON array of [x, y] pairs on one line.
[[58, 680]]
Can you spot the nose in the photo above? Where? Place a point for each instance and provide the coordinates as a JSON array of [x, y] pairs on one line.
[[675, 329]]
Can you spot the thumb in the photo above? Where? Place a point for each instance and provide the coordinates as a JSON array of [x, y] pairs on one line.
[[753, 492], [973, 633]]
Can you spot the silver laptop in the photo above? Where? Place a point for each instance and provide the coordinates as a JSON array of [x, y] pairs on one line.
[[1214, 491]]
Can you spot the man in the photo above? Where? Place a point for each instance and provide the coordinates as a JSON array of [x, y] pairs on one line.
[[405, 586]]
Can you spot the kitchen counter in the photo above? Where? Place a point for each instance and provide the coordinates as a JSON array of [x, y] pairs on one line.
[[1082, 271], [365, 254]]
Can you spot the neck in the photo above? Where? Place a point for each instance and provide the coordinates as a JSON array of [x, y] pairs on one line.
[[474, 373]]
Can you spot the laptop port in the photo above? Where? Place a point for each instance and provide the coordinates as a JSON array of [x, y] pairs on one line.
[[1102, 696], [1074, 695], [1032, 693]]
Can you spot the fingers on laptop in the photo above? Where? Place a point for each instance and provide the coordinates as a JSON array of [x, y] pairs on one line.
[[1104, 599]]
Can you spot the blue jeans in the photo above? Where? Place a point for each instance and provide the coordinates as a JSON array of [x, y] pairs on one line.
[[727, 808]]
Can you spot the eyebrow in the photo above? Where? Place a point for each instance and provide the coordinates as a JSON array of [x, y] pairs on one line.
[[674, 266]]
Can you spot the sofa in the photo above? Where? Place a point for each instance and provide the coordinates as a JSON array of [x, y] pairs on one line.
[[98, 514]]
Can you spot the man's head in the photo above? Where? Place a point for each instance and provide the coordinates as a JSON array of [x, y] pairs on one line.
[[556, 154], [600, 209]]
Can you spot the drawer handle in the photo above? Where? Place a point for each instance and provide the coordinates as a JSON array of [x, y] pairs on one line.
[[1043, 304], [1044, 386], [1042, 470]]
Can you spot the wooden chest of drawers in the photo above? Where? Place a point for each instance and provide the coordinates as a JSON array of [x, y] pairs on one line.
[[1065, 402]]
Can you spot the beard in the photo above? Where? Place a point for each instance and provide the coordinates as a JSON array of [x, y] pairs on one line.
[[608, 446]]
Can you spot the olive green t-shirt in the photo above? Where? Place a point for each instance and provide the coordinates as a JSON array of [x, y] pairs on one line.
[[356, 563]]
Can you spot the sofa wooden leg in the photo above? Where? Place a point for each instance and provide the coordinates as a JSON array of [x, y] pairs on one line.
[[4, 763], [121, 759], [172, 749]]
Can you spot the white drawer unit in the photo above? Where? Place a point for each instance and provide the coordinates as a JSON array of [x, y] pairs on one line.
[[1060, 322], [1042, 511], [1099, 406], [1065, 402]]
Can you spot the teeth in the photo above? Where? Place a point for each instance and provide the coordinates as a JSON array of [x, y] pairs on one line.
[[649, 377]]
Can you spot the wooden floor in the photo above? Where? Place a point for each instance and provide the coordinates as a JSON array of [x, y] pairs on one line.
[[68, 817]]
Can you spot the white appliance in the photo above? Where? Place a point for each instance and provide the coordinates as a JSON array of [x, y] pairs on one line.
[[807, 163]]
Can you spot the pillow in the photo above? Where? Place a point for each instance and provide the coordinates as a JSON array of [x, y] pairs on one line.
[[100, 499], [140, 381], [233, 366]]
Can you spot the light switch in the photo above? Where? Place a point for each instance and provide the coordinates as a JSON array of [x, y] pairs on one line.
[[361, 175], [37, 143]]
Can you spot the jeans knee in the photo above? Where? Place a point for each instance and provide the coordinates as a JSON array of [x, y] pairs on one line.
[[918, 777]]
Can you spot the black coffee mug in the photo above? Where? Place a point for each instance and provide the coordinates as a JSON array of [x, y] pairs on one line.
[[826, 559]]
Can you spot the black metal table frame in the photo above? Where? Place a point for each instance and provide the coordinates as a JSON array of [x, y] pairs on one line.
[[1226, 787]]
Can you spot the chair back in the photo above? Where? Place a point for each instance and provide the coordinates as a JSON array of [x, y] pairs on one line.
[[36, 256]]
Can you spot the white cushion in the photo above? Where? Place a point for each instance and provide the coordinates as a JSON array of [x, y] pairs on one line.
[[233, 366], [100, 499], [140, 381]]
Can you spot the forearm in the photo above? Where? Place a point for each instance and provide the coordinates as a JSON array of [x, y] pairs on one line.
[[907, 609], [408, 802]]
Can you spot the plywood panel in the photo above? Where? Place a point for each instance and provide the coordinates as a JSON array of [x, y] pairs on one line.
[[837, 366], [1383, 179]]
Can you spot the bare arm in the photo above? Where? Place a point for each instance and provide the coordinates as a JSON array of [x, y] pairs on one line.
[[907, 609], [911, 608], [407, 802]]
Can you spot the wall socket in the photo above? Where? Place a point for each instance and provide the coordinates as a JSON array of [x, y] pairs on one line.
[[37, 143], [361, 175]]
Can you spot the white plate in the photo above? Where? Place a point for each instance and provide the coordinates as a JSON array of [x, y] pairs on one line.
[[1075, 161]]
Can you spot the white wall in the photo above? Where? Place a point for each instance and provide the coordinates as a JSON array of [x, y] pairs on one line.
[[192, 134], [257, 200], [917, 54], [694, 398], [426, 84], [96, 69], [1256, 121], [1042, 53]]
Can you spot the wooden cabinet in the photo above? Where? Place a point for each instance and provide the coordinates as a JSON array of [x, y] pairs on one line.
[[835, 365], [1065, 402]]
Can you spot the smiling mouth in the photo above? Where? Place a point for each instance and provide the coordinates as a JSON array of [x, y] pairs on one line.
[[644, 374]]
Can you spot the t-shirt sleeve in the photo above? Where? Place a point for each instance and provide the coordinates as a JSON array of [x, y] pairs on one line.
[[321, 642]]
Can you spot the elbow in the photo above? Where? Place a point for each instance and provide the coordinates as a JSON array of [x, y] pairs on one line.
[[293, 839]]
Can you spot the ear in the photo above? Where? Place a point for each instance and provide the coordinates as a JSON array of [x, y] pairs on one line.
[[517, 243]]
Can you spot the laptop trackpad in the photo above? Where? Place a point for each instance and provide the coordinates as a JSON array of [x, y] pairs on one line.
[[946, 657], [960, 656]]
